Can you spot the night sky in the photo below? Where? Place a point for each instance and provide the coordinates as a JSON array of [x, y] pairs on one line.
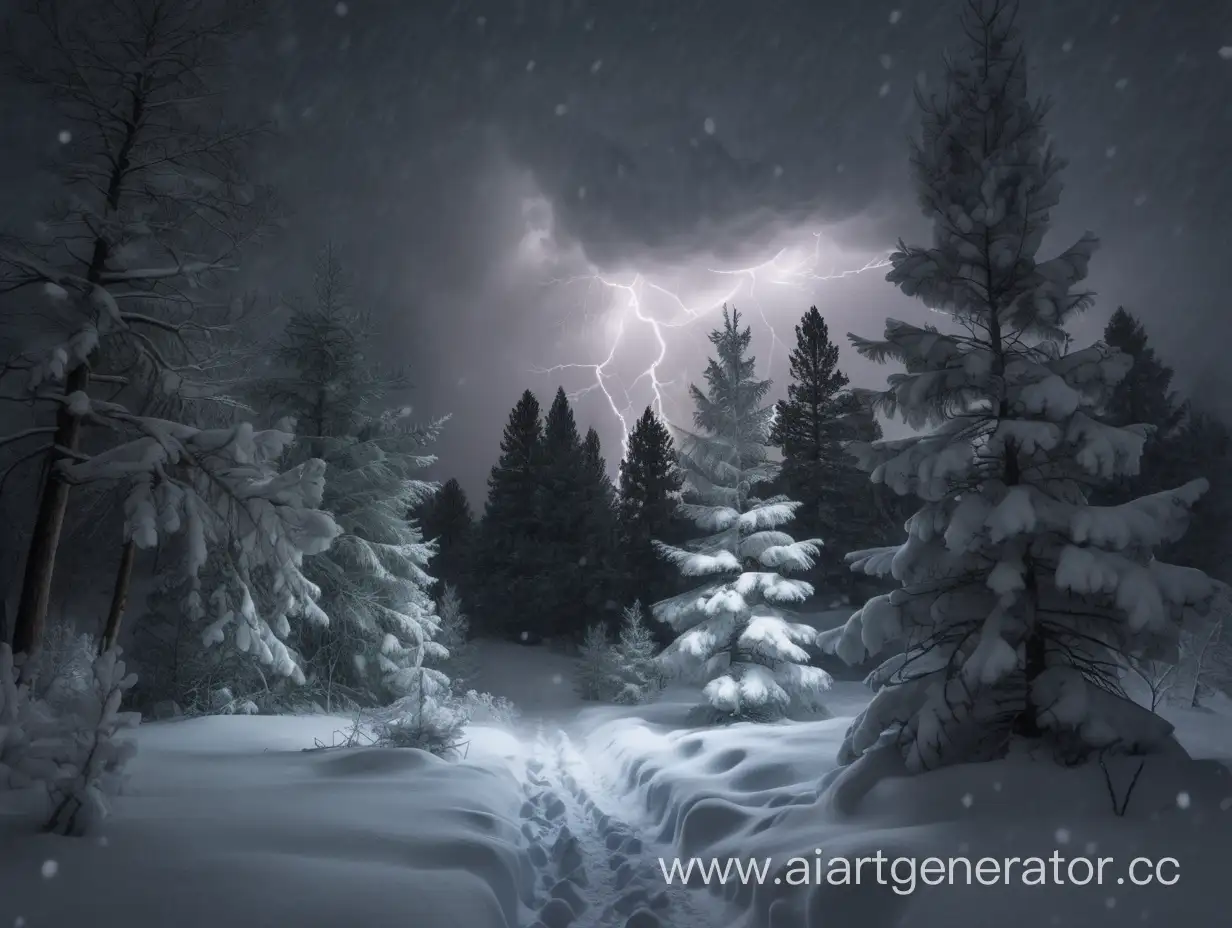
[[475, 164]]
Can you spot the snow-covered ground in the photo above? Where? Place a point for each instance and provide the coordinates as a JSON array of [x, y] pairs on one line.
[[561, 824]]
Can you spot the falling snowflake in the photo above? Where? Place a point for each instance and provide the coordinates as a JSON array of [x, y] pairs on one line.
[[1225, 804], [895, 16], [1090, 849], [968, 800], [886, 61], [530, 65], [1062, 835], [481, 21], [778, 170], [840, 168], [594, 68], [557, 679], [561, 109], [708, 125], [1182, 800], [1226, 53], [1067, 46], [884, 90], [65, 136], [996, 787], [1110, 151], [1140, 199], [19, 922], [1110, 902], [1122, 83], [341, 9], [581, 193], [50, 868], [1116, 18]]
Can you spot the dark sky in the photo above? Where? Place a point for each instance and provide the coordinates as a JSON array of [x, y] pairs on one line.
[[462, 156]]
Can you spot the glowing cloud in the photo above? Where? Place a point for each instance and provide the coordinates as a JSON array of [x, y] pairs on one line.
[[647, 313]]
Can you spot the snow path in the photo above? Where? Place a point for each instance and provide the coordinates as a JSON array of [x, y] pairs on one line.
[[593, 869]]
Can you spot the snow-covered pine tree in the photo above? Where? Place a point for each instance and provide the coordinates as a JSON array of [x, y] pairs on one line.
[[733, 630], [152, 212], [454, 637], [1016, 596], [634, 658], [373, 579], [596, 670]]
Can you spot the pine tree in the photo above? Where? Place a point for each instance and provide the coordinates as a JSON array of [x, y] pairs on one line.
[[1143, 397], [454, 637], [1145, 394], [811, 427], [733, 630], [509, 558], [1017, 596], [562, 584], [598, 529], [649, 509], [596, 669], [445, 519], [637, 675], [373, 580]]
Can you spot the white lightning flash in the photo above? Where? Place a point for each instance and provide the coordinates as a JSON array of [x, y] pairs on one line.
[[629, 305]]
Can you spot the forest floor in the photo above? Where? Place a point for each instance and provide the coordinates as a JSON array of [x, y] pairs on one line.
[[566, 821]]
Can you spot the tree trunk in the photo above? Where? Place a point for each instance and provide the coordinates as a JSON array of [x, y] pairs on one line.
[[119, 598], [31, 615]]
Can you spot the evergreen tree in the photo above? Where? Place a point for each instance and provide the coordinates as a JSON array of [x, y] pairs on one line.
[[601, 570], [733, 630], [509, 558], [1184, 444], [445, 519], [373, 580], [634, 658], [596, 669], [649, 509], [811, 427], [454, 636], [1143, 397], [1017, 596], [562, 587]]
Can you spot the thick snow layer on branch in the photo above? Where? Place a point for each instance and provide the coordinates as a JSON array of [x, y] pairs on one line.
[[1146, 522]]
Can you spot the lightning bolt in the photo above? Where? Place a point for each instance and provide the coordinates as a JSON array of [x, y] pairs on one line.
[[798, 269]]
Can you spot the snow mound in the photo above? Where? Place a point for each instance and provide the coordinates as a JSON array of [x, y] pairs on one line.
[[230, 821], [753, 791]]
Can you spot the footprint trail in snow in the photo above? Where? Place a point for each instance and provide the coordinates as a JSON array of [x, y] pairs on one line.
[[591, 869]]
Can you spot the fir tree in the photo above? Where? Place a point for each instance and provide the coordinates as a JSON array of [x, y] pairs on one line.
[[649, 509], [373, 579], [1017, 596], [562, 584], [600, 573], [460, 665], [509, 558], [733, 630], [634, 658], [811, 427], [596, 670], [445, 519]]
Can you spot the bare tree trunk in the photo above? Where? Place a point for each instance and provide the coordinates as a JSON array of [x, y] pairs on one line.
[[119, 598], [31, 617]]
